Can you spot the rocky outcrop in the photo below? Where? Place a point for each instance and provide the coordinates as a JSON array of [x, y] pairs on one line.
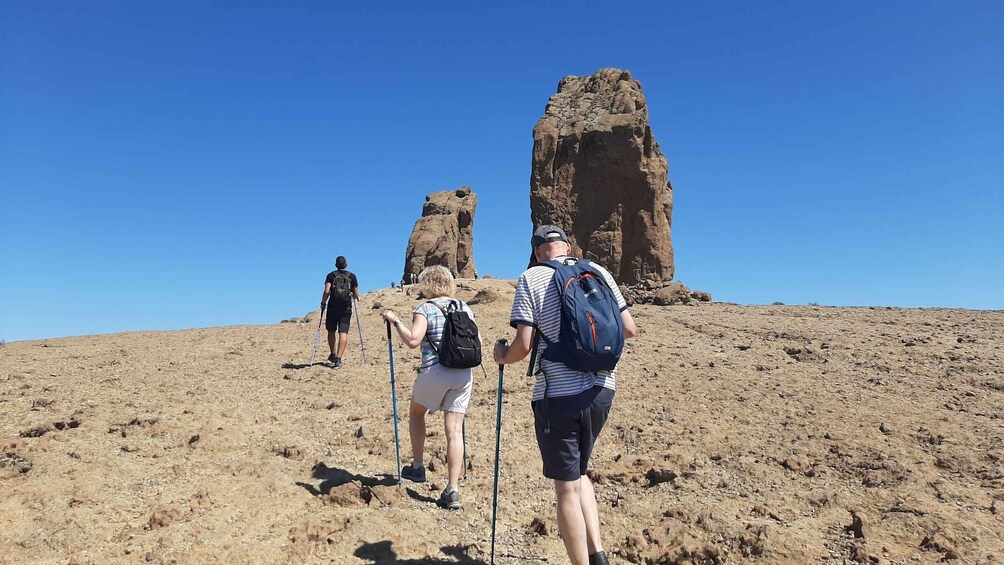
[[444, 235], [598, 173]]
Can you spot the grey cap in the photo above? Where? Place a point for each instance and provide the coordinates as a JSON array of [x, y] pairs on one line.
[[547, 234]]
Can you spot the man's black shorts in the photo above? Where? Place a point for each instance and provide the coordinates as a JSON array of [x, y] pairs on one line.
[[338, 318], [567, 428]]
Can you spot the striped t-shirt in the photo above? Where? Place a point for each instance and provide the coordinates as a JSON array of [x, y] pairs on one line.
[[538, 304], [436, 322]]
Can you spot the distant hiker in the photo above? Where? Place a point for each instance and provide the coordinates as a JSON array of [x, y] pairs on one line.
[[574, 387], [340, 288], [439, 385]]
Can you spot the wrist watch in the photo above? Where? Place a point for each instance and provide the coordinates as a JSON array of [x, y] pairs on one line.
[[396, 322]]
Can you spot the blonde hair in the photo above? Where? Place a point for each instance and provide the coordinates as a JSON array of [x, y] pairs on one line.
[[437, 281]]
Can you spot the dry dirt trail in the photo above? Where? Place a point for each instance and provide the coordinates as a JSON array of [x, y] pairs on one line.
[[739, 435]]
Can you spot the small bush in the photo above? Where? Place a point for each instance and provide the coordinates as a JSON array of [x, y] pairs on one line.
[[778, 303]]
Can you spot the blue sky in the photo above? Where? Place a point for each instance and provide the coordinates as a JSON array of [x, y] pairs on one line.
[[185, 165]]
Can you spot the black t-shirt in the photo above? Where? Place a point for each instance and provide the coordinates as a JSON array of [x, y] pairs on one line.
[[334, 302]]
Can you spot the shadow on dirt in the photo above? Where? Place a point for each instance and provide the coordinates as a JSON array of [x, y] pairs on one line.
[[421, 497], [381, 553], [303, 365], [331, 477]]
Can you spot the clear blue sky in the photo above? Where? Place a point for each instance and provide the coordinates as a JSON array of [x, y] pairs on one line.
[[181, 164]]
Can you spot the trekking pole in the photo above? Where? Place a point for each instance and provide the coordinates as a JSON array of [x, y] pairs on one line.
[[317, 336], [359, 326], [393, 400], [498, 444]]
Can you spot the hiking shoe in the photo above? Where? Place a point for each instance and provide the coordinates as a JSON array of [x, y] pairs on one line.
[[450, 498], [338, 362], [414, 475], [332, 358], [598, 559]]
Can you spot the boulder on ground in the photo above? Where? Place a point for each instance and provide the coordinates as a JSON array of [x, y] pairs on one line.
[[671, 294], [701, 296]]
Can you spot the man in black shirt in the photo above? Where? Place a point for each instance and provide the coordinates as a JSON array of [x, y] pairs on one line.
[[340, 288]]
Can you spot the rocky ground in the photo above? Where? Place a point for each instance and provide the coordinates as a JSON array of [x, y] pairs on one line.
[[768, 434]]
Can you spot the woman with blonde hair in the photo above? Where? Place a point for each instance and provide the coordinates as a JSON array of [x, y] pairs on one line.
[[436, 387]]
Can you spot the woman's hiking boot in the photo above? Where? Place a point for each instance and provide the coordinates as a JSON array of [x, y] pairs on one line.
[[412, 474], [450, 498], [599, 558]]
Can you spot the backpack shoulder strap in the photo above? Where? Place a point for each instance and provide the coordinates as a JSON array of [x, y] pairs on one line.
[[440, 308], [550, 263], [532, 368], [556, 265]]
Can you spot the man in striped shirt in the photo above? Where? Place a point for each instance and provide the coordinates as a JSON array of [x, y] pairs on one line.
[[576, 406]]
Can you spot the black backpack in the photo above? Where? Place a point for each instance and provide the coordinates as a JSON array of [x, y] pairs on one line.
[[460, 347], [341, 287]]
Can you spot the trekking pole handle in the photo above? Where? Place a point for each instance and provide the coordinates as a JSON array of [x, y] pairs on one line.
[[505, 343], [388, 330]]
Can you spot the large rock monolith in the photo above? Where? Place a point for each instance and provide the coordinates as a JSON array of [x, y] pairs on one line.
[[444, 235], [599, 174]]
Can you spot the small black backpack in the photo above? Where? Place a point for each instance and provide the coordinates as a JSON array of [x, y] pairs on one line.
[[460, 347], [341, 286]]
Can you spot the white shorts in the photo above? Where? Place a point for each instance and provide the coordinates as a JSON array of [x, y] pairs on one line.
[[442, 388]]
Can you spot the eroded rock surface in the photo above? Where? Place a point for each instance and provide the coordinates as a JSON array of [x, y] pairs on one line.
[[598, 173], [444, 235]]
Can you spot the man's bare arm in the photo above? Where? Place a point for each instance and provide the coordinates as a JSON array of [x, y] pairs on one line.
[[518, 349], [630, 329], [324, 297]]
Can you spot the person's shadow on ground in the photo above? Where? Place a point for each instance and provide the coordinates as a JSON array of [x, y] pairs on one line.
[[381, 553], [331, 477], [414, 494], [302, 365]]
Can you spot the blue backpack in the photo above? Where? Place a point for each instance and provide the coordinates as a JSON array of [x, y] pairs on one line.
[[591, 337]]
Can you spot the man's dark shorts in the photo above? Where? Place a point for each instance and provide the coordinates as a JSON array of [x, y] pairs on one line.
[[338, 318], [567, 428]]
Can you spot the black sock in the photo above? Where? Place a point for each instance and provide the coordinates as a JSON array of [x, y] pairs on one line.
[[599, 558]]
